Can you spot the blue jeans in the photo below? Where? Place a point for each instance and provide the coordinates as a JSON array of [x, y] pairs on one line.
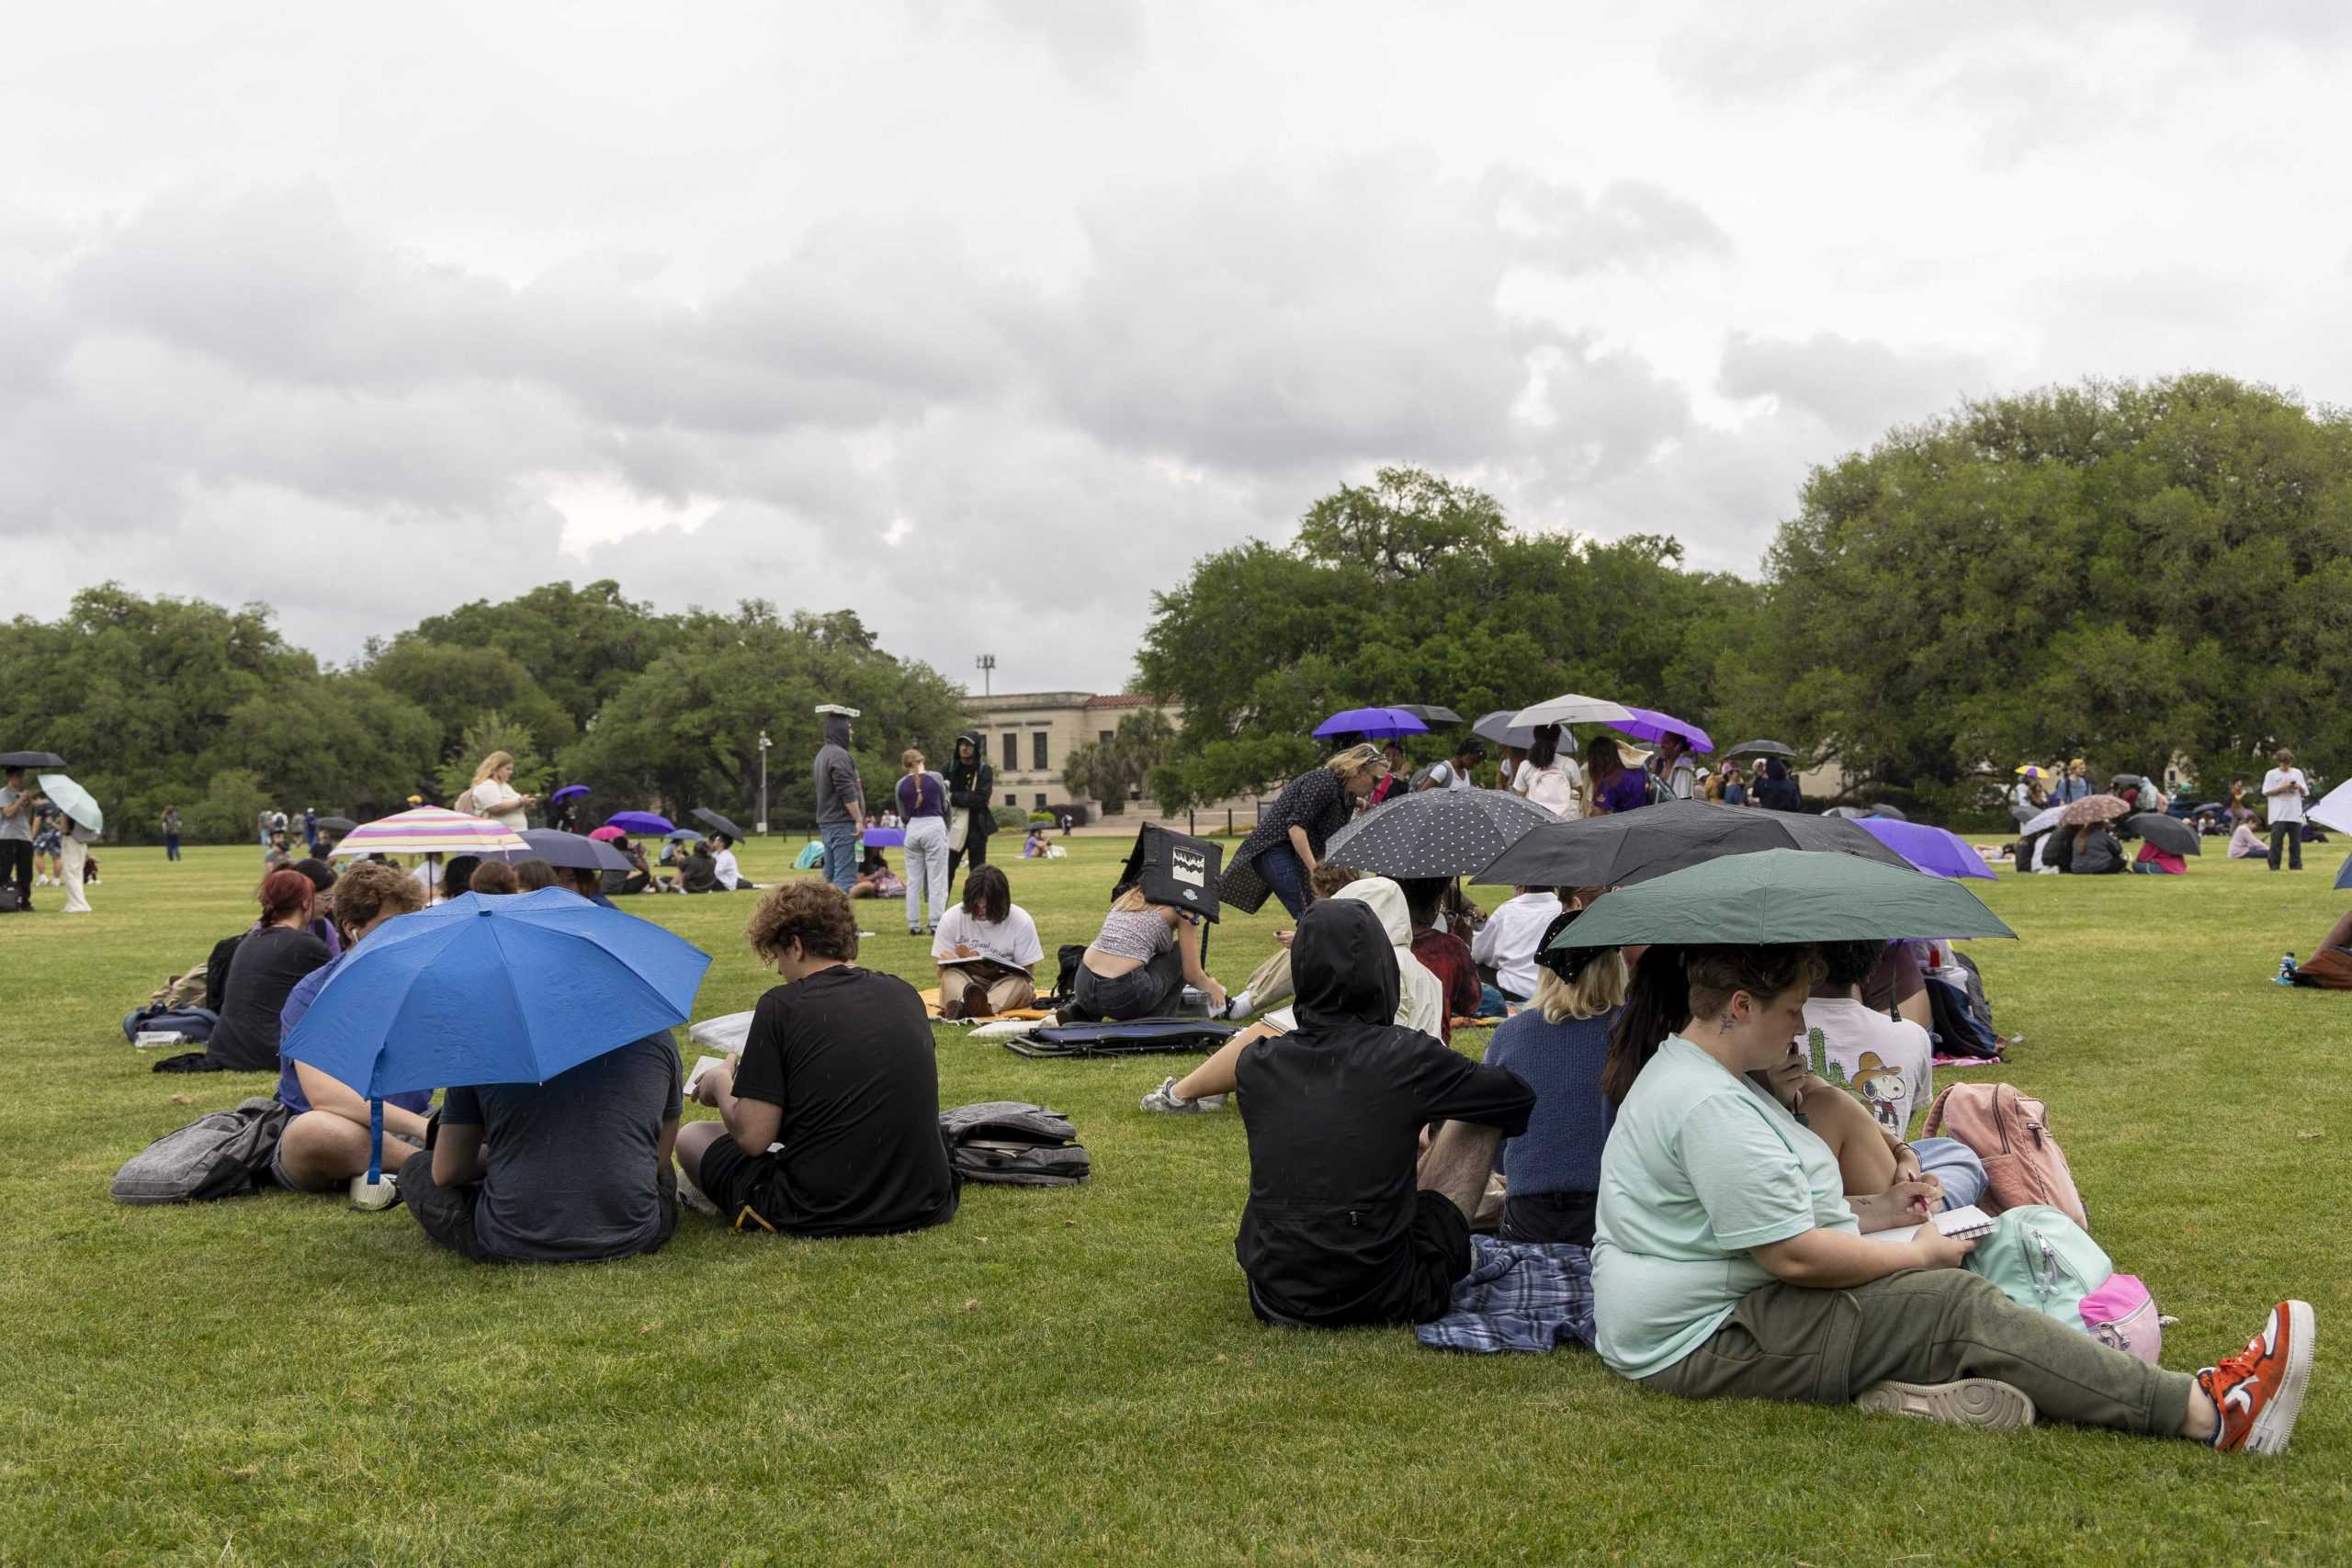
[[840, 853], [172, 846], [1955, 1165], [1281, 870]]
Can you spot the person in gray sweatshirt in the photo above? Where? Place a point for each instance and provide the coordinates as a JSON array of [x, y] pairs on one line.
[[841, 800]]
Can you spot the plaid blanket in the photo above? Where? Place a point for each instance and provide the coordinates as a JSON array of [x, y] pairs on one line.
[[1519, 1295]]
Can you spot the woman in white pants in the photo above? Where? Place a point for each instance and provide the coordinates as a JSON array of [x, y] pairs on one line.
[[73, 853], [922, 806]]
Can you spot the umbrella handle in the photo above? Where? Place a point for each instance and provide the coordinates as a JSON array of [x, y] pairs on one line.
[[375, 1142]]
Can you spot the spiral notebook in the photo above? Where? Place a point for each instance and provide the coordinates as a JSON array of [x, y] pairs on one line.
[[1966, 1222]]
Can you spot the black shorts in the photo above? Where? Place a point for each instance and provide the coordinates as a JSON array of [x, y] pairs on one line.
[[749, 1190], [1438, 1235]]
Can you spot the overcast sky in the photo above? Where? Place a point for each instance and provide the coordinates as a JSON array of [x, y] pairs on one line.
[[986, 319]]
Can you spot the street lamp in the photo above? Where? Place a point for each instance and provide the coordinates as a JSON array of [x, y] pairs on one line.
[[765, 744], [986, 665]]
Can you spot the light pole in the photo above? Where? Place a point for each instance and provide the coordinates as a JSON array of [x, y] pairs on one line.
[[986, 664], [765, 744]]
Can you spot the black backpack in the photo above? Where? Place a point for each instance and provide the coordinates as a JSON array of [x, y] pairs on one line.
[[1012, 1143]]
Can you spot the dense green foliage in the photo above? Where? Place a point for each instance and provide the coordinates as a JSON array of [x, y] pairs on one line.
[[1109, 770]]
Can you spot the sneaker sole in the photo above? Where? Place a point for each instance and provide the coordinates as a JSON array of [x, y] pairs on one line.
[[1987, 1403], [2276, 1422]]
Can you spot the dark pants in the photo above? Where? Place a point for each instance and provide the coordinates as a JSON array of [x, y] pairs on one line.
[[1281, 870], [2288, 835], [172, 846], [1151, 990], [16, 867], [975, 849], [446, 1214]]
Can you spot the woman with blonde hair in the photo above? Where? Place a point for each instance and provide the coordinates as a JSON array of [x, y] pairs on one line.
[[1558, 1044], [495, 797], [922, 806], [1288, 842], [1140, 963]]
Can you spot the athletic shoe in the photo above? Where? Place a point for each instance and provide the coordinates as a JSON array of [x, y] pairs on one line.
[[1166, 1100], [383, 1195], [2260, 1392], [1969, 1402]]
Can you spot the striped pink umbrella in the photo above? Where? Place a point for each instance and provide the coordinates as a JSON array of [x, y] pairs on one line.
[[429, 831]]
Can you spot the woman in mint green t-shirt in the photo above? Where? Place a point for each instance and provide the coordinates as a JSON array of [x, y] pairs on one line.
[[1728, 1263]]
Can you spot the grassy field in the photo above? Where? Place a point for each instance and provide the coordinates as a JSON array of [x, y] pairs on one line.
[[1073, 1375]]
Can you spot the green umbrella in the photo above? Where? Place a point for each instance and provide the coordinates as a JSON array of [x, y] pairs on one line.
[[74, 800], [1783, 895]]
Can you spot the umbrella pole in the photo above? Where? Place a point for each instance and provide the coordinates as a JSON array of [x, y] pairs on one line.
[[375, 1141]]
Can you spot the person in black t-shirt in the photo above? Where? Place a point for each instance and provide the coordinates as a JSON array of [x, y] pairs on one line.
[[838, 1069], [267, 965]]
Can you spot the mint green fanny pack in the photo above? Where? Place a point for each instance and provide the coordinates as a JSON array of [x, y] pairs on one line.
[[2043, 1260]]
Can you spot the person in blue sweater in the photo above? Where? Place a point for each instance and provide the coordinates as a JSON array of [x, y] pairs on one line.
[[1557, 1044]]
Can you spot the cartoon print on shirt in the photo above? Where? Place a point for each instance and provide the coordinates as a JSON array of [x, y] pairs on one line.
[[1879, 1087]]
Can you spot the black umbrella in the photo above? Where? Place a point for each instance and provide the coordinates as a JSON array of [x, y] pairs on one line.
[[2169, 834], [1428, 713], [1848, 812], [1634, 846], [30, 760], [1761, 749], [570, 850], [337, 824], [1436, 832], [1497, 727], [1881, 809], [718, 824]]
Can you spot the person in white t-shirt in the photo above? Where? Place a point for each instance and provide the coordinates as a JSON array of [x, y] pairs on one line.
[[2283, 788], [1675, 768], [1887, 1063], [723, 866], [987, 950], [1505, 945], [495, 797], [1552, 780], [1454, 774]]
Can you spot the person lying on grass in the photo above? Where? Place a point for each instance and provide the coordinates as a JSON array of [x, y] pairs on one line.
[[1344, 1224], [1727, 1262], [840, 1069], [325, 1142]]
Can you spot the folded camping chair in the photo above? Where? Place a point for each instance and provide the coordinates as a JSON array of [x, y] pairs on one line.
[[1124, 1037]]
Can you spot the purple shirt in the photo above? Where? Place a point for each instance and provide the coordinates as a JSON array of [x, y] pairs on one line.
[[920, 795], [1627, 790]]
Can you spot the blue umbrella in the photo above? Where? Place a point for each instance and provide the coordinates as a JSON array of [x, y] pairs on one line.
[[2344, 878], [1935, 850], [1373, 724], [568, 791], [684, 835], [641, 822], [492, 989]]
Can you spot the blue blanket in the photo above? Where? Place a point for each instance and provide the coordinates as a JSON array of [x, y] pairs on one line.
[[1519, 1295]]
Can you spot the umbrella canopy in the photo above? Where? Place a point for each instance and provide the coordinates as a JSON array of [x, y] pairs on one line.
[[1437, 832], [428, 831], [2335, 808], [1762, 748], [1783, 895], [606, 834], [2169, 834], [641, 822], [74, 800], [1635, 846], [2094, 809], [1849, 813], [2344, 878], [2042, 821], [337, 824], [30, 760], [494, 988], [569, 792], [570, 849], [2028, 771], [1428, 714], [1648, 723], [1572, 707], [1498, 727], [1935, 850], [683, 835], [1881, 809], [717, 823], [1373, 724]]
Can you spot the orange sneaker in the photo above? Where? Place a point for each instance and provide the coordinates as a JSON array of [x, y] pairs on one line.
[[2260, 1392]]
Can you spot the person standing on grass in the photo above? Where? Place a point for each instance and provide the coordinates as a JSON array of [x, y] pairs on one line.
[[1676, 770], [922, 805], [494, 794], [17, 804], [1457, 772], [73, 861], [1727, 1262], [841, 800], [1288, 842], [170, 828], [1550, 777], [2283, 789], [971, 790], [838, 1067]]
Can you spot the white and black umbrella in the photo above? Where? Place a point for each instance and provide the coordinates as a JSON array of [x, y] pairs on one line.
[[1436, 832]]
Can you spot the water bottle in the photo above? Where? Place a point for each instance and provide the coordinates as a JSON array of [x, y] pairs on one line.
[[2286, 970]]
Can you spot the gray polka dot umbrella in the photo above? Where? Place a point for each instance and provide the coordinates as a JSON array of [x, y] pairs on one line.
[[1435, 832]]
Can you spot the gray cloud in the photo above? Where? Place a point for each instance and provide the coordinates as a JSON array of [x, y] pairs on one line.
[[1856, 389]]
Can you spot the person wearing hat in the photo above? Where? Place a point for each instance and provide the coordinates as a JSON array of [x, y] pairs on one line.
[[2026, 799]]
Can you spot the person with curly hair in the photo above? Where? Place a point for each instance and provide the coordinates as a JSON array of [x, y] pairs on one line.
[[838, 1069]]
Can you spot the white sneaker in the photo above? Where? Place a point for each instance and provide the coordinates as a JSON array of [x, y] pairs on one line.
[[1168, 1102], [1966, 1402], [383, 1195]]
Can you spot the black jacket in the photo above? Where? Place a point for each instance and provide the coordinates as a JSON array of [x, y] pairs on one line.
[[971, 786], [1334, 1112]]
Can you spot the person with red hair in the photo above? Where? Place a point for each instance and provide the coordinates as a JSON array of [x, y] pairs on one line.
[[270, 962]]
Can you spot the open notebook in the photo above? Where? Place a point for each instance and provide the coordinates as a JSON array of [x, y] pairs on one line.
[[1967, 1222]]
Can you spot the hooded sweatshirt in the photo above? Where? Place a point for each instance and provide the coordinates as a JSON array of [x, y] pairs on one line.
[[1333, 1113], [1421, 994], [971, 786], [836, 772]]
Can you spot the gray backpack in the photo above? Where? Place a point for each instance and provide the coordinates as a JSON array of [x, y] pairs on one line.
[[225, 1153], [1014, 1144]]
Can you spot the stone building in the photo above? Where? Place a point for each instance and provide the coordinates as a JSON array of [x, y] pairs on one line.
[[1030, 735]]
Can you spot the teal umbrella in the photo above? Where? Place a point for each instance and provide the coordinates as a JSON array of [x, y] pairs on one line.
[[1783, 895], [74, 800]]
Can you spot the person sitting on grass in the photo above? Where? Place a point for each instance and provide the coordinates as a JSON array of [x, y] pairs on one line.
[[322, 922], [262, 972], [325, 1142], [1268, 984], [1347, 1222], [838, 1069], [1872, 1161], [729, 875], [638, 878], [1505, 945], [1889, 1063], [698, 869], [2095, 852], [1441, 953], [875, 879], [534, 874], [1559, 1044], [1727, 1262], [996, 944], [494, 876], [2244, 842], [1140, 963], [2330, 962]]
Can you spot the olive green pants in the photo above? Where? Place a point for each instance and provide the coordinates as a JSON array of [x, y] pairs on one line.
[[1924, 1325]]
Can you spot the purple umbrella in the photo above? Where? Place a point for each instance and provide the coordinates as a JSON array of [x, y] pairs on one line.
[[1373, 724], [1935, 850], [568, 791], [1648, 723], [641, 822]]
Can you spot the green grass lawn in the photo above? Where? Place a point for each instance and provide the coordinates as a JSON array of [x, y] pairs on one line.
[[1074, 1375]]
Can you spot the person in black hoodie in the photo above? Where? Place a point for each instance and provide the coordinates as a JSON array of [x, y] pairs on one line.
[[971, 786], [1341, 1227]]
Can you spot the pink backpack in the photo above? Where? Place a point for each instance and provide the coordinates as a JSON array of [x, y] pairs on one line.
[[2023, 1164], [2122, 1315]]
